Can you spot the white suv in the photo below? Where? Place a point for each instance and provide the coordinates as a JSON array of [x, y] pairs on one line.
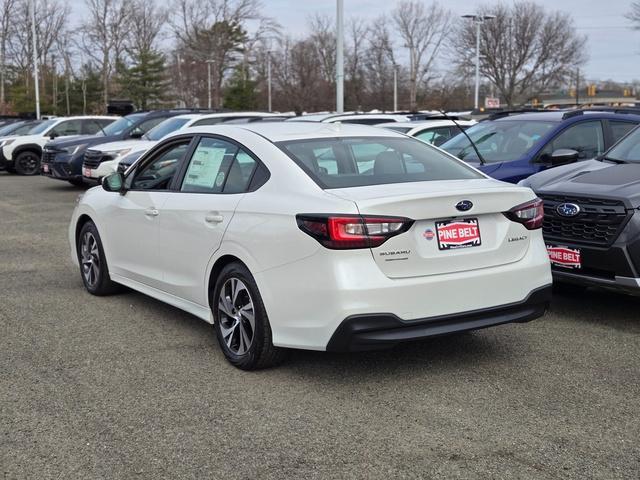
[[301, 235], [22, 154]]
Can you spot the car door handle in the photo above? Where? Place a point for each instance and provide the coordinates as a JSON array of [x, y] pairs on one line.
[[214, 218], [151, 212]]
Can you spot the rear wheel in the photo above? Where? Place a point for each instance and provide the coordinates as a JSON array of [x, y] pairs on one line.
[[93, 263], [241, 321], [27, 163]]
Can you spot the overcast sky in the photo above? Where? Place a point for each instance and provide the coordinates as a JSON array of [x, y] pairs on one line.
[[613, 48]]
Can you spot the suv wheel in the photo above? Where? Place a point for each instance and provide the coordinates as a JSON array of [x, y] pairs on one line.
[[27, 163], [93, 263], [241, 321]]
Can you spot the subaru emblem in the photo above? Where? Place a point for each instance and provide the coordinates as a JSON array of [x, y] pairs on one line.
[[464, 205], [568, 209]]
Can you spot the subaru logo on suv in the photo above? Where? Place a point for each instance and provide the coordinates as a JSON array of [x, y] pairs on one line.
[[464, 205], [568, 209]]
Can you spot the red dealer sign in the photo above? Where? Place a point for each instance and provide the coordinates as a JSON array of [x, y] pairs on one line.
[[564, 256], [458, 234]]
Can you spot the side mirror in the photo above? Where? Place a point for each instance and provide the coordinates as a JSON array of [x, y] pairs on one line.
[[563, 156], [53, 135], [136, 133], [113, 182]]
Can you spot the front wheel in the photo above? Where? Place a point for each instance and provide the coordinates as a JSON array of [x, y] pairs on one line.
[[241, 321], [27, 163], [93, 263]]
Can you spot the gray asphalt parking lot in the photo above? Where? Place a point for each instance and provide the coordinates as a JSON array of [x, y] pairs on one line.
[[128, 387]]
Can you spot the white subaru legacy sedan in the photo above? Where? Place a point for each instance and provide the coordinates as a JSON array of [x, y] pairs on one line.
[[315, 236]]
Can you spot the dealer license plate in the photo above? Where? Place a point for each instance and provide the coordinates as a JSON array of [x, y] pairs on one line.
[[564, 257], [453, 234]]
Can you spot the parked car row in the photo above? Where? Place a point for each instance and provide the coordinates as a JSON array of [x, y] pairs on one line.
[[369, 233]]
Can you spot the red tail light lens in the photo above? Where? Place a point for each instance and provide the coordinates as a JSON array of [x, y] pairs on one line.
[[340, 232], [530, 214]]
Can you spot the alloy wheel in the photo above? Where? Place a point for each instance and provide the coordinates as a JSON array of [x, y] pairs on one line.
[[90, 259], [236, 316]]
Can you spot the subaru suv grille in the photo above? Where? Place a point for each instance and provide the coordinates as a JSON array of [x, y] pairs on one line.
[[599, 221], [93, 158]]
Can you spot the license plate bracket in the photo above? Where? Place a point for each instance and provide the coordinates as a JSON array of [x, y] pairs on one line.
[[458, 233]]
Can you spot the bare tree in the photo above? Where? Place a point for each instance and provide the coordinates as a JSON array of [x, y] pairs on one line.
[[423, 30], [379, 62], [524, 50], [634, 15], [215, 31], [147, 20], [322, 36], [6, 8], [103, 36]]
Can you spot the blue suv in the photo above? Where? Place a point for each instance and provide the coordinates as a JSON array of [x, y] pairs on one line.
[[514, 145]]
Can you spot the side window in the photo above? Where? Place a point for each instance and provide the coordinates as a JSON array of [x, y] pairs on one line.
[[147, 125], [208, 167], [91, 127], [620, 129], [240, 173], [157, 174], [435, 136], [586, 138], [69, 127]]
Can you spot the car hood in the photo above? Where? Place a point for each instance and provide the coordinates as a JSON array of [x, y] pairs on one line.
[[86, 139], [591, 178], [134, 145]]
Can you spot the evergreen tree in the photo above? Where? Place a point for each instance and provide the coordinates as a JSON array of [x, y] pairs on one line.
[[144, 82], [241, 92]]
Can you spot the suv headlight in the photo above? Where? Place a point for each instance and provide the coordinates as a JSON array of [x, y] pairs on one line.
[[76, 149], [115, 154], [4, 143]]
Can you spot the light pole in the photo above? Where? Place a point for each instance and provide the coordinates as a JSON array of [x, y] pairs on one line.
[[395, 87], [269, 80], [340, 57], [209, 62], [34, 42], [479, 20]]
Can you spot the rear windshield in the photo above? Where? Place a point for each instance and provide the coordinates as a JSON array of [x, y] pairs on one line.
[[361, 161]]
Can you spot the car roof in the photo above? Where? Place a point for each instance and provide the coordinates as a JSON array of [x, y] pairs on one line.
[[440, 122], [288, 131], [561, 115]]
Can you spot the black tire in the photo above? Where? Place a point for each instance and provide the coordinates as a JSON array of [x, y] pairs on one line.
[[94, 270], [27, 163], [76, 182], [261, 352]]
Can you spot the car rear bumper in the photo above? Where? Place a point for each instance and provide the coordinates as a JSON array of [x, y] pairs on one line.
[[384, 330], [332, 286]]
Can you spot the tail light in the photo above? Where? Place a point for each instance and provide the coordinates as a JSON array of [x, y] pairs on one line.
[[341, 232], [530, 214]]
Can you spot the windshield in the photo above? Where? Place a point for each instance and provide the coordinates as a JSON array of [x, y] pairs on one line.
[[119, 126], [627, 149], [165, 128], [43, 127], [360, 161], [12, 127], [499, 141]]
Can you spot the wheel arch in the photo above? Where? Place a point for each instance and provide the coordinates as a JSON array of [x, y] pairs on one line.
[[219, 264], [81, 222], [29, 147]]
